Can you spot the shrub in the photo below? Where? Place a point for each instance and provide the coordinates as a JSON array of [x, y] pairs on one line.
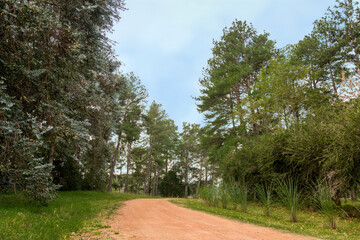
[[264, 194], [325, 203], [289, 195]]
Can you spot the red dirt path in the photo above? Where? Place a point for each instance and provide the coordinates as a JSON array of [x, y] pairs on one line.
[[161, 220]]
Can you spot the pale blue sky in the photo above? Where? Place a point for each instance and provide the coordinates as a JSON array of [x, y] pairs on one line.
[[167, 42]]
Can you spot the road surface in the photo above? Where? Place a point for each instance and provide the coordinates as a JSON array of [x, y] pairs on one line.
[[150, 219]]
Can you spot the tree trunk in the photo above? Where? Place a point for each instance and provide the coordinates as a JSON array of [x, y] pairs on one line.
[[252, 110], [112, 164], [51, 154], [199, 182], [148, 170], [156, 179], [166, 166], [206, 174], [128, 160], [137, 188], [333, 81], [353, 194], [186, 179], [232, 112], [120, 175]]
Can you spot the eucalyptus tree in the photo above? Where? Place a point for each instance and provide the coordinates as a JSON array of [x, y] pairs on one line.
[[162, 134], [346, 14], [326, 32], [165, 150], [139, 157], [130, 104], [282, 94], [57, 65], [132, 126], [332, 46], [189, 150], [307, 53]]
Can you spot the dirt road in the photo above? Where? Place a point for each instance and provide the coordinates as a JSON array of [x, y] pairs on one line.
[[161, 220]]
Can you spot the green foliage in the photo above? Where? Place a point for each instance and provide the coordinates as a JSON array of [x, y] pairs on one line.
[[210, 194], [57, 86], [237, 59], [264, 194], [309, 224], [289, 195], [282, 113], [171, 185], [325, 203], [162, 138], [240, 195], [21, 163], [223, 195], [21, 219]]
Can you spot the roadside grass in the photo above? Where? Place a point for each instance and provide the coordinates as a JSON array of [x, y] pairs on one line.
[[309, 223], [71, 212]]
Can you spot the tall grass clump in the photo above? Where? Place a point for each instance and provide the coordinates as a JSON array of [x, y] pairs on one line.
[[243, 196], [205, 194], [215, 198], [325, 203], [238, 195], [210, 194], [264, 194], [224, 195], [289, 195], [233, 194]]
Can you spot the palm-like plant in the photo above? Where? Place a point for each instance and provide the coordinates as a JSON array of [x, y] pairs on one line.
[[224, 195], [243, 196], [289, 195], [325, 203], [233, 194], [238, 194], [264, 194], [205, 194]]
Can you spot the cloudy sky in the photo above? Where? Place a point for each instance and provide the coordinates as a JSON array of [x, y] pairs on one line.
[[167, 42]]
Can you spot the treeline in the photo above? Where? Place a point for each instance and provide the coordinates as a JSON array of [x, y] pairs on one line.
[[289, 113], [69, 118], [59, 94]]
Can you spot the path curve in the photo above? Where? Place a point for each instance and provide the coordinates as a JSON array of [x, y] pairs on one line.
[[141, 219]]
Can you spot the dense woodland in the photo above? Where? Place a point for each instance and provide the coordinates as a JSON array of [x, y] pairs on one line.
[[70, 118], [287, 113]]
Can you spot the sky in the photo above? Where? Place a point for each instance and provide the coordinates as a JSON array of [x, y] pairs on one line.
[[167, 43]]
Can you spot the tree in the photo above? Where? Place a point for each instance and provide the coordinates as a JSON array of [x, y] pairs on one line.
[[128, 120], [162, 134], [171, 185], [189, 150], [233, 69], [57, 65], [282, 94]]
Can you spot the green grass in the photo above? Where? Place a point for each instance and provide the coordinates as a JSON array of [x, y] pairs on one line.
[[71, 212], [309, 223]]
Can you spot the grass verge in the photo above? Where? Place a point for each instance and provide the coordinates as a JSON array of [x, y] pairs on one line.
[[71, 212], [309, 223]]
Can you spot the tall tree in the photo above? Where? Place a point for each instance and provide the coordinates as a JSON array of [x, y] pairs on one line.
[[237, 59], [162, 135], [153, 122], [128, 123], [189, 150], [58, 66]]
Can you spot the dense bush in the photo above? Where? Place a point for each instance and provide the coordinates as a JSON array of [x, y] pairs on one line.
[[171, 185]]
